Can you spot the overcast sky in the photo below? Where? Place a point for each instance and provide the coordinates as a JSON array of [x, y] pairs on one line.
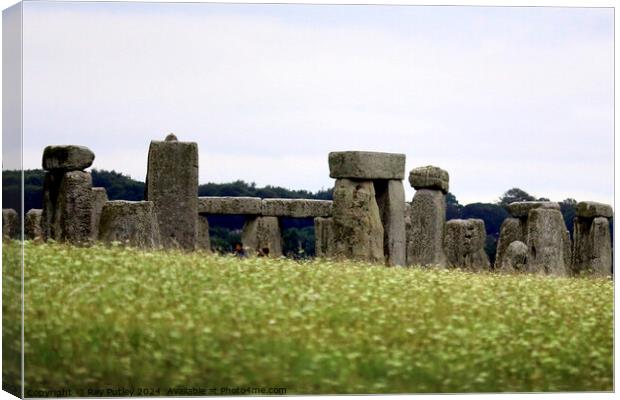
[[499, 97]]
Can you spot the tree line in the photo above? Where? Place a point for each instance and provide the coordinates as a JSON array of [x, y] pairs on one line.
[[298, 234]]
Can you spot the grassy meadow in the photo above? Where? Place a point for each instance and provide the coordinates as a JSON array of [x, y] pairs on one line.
[[111, 317]]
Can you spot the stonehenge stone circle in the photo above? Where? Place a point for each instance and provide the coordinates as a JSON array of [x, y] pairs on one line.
[[296, 208], [32, 224], [324, 237], [172, 186], [262, 232], [100, 197], [425, 225], [521, 209], [390, 196], [67, 158], [515, 258], [592, 252], [132, 223], [358, 231], [464, 244], [203, 240], [429, 177], [230, 205], [366, 165], [10, 223], [548, 242]]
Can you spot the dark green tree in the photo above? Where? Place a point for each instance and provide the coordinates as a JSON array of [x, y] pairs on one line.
[[515, 194]]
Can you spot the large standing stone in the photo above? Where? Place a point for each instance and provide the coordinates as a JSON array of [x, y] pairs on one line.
[[324, 237], [547, 242], [32, 224], [430, 177], [262, 232], [67, 206], [512, 229], [425, 236], [591, 246], [172, 185], [203, 240], [358, 231], [366, 165], [67, 158], [10, 223], [464, 244], [100, 197], [390, 197], [515, 257], [132, 223]]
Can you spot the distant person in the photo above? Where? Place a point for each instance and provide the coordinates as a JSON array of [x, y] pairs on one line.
[[264, 252], [238, 250]]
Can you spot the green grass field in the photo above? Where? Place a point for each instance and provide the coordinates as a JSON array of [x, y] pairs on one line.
[[111, 317]]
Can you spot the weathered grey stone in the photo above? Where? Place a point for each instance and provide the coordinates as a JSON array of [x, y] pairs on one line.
[[99, 199], [366, 165], [464, 244], [67, 158], [358, 231], [230, 205], [521, 209], [390, 197], [592, 209], [172, 185], [512, 229], [32, 224], [515, 259], [67, 206], [546, 241], [296, 208], [430, 177], [324, 237], [425, 233], [171, 138], [591, 246], [133, 223], [203, 240], [10, 223], [262, 232]]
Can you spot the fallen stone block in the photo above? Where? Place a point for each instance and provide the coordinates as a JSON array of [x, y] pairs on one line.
[[366, 165], [464, 244], [132, 223], [296, 208], [230, 205], [430, 177], [67, 158]]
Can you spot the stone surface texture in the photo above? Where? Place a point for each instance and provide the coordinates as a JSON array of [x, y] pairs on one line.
[[464, 244], [512, 229], [100, 197], [515, 258], [521, 209], [172, 186], [132, 223], [32, 224], [592, 253], [547, 242], [592, 209], [230, 205], [324, 237], [67, 158], [390, 195], [366, 165], [358, 231], [426, 228], [10, 223], [203, 240], [296, 208], [430, 177], [262, 232]]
